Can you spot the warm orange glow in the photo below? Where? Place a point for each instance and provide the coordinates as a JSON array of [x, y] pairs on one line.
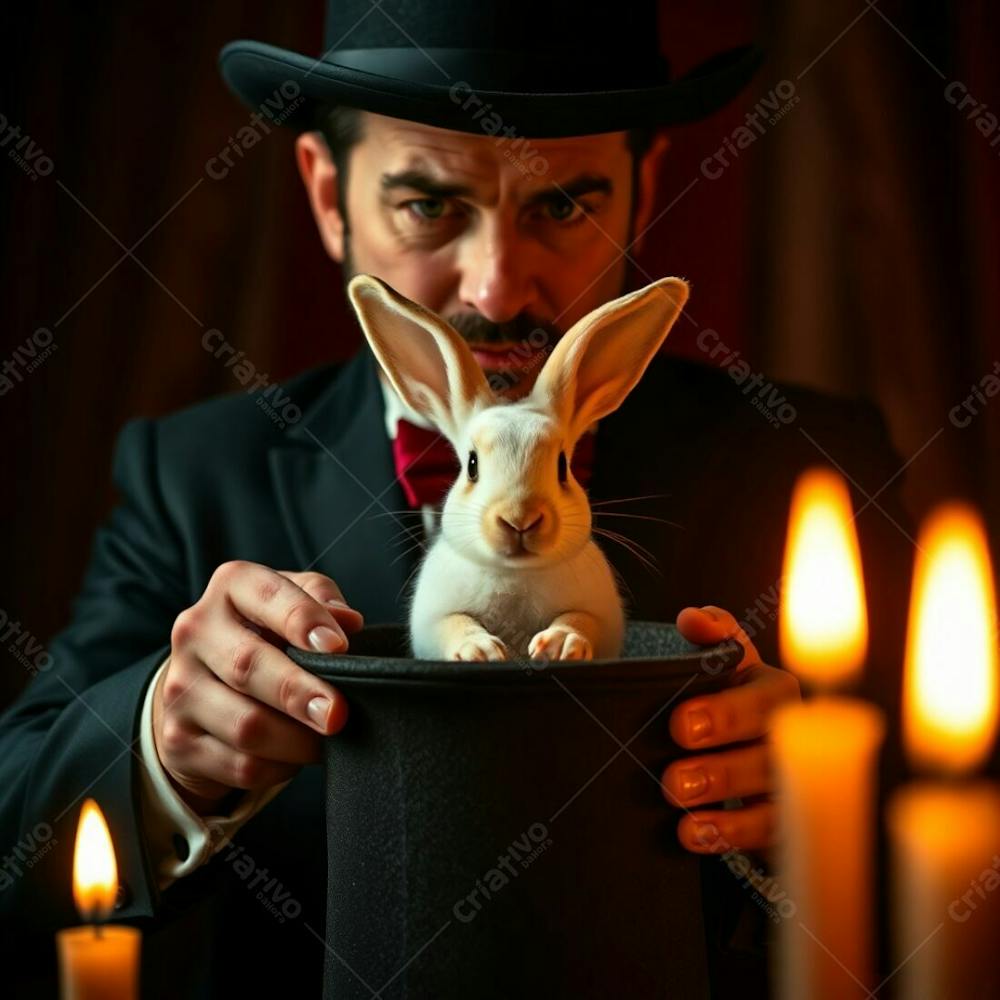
[[823, 629], [950, 685], [95, 871]]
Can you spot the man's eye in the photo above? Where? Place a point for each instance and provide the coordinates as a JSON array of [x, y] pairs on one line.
[[426, 208], [562, 209]]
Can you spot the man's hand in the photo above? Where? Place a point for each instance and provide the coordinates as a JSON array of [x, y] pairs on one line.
[[231, 710], [739, 714]]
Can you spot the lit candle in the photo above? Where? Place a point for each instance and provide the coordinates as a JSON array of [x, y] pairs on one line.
[[824, 751], [945, 831], [97, 961]]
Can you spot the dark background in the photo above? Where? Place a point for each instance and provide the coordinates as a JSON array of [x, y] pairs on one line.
[[854, 246]]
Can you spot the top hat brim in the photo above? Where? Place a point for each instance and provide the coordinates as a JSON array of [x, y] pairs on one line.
[[289, 88]]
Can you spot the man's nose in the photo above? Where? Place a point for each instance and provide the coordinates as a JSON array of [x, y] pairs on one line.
[[497, 275]]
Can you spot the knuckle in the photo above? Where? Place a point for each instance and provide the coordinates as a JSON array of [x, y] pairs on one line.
[[245, 659], [174, 735], [289, 691], [268, 588], [300, 615], [175, 686], [312, 580], [246, 770], [247, 728], [185, 628], [226, 572]]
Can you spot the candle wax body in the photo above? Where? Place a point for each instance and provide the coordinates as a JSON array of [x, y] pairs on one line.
[[824, 752], [946, 876], [99, 968]]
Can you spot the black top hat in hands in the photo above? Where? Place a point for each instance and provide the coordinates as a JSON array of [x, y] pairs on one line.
[[499, 830], [543, 69]]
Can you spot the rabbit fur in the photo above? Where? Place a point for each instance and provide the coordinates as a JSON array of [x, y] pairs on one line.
[[513, 571]]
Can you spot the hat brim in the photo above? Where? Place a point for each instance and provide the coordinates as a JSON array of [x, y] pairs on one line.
[[289, 87]]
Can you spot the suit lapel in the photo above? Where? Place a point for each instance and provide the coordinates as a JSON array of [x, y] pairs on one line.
[[335, 480]]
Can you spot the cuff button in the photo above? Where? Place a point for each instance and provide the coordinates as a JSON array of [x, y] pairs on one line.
[[181, 847]]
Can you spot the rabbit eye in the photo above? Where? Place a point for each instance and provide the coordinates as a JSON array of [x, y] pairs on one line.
[[562, 466], [473, 467]]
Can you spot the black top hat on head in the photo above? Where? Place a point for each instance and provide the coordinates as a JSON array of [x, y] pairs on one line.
[[542, 69]]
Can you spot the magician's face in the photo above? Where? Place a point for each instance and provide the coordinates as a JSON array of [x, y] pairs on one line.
[[512, 243]]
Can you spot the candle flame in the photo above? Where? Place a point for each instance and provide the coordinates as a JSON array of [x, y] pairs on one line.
[[95, 871], [823, 628], [950, 681]]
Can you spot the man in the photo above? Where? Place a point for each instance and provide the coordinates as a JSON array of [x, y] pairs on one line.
[[170, 699]]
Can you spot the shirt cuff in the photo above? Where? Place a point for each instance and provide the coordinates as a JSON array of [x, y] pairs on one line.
[[180, 840]]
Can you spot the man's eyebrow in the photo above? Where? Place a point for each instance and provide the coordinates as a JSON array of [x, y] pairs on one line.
[[577, 187], [420, 181]]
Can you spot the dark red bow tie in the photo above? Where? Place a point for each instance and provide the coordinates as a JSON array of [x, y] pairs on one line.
[[426, 464]]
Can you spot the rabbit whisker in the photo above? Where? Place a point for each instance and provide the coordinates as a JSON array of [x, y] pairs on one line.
[[406, 582], [648, 496], [633, 547], [406, 552], [412, 534], [639, 517]]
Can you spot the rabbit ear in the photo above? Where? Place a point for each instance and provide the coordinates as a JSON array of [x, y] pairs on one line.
[[599, 360], [428, 363]]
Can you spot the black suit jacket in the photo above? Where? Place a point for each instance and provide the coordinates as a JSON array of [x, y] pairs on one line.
[[226, 479]]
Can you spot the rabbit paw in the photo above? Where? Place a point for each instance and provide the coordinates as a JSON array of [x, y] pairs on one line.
[[482, 646], [557, 642]]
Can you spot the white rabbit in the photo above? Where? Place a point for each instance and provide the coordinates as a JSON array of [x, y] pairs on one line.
[[514, 572]]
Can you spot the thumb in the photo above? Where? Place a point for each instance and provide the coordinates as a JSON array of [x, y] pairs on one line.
[[703, 625], [708, 625]]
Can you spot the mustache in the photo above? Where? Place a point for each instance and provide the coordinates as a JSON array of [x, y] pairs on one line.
[[523, 329]]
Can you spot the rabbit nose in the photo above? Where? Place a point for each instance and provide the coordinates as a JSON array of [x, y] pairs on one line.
[[529, 520]]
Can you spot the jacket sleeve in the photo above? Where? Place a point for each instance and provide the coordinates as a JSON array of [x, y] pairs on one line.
[[73, 733]]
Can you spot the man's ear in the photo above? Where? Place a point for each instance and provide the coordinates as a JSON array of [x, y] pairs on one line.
[[319, 174], [649, 180]]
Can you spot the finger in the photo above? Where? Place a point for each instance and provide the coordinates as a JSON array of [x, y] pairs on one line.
[[326, 591], [738, 713], [714, 777], [717, 831], [247, 663], [250, 726], [270, 600], [212, 760], [709, 625]]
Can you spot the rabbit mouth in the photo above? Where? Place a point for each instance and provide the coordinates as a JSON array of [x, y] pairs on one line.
[[518, 551]]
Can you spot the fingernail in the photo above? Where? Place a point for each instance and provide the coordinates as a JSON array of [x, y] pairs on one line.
[[706, 833], [325, 640], [318, 709], [692, 783], [699, 725], [709, 613]]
